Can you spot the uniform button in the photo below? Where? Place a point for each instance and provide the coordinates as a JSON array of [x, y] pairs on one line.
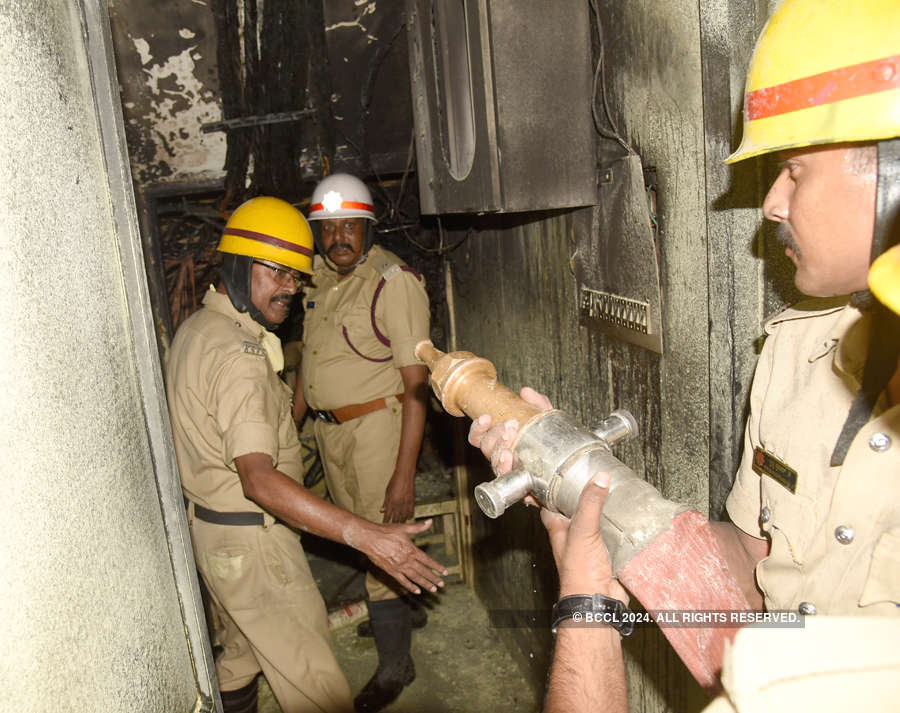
[[765, 515], [844, 534], [807, 608], [880, 442]]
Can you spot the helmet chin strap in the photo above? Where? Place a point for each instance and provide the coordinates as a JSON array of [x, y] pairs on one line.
[[884, 335], [236, 273]]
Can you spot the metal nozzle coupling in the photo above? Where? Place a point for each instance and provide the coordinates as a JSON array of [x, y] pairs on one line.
[[495, 496], [618, 426], [556, 458]]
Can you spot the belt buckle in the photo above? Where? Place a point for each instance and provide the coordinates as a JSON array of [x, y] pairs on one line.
[[326, 416]]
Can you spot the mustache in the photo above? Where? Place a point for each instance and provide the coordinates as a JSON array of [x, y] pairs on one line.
[[339, 246], [783, 234], [282, 297]]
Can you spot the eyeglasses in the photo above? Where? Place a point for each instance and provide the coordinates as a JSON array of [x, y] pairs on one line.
[[283, 276]]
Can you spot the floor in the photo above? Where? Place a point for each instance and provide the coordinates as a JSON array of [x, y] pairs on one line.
[[462, 666], [461, 663]]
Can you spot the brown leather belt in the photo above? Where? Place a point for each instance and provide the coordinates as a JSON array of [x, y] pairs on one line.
[[348, 413]]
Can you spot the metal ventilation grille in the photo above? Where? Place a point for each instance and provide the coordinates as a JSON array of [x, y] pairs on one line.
[[616, 310]]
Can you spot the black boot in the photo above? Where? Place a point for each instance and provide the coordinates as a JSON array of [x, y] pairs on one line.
[[419, 619], [242, 700], [392, 627]]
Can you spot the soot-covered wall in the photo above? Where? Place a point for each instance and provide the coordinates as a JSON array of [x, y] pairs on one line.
[[674, 82]]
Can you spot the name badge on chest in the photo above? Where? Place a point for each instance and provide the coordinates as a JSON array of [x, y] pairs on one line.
[[253, 348], [765, 463]]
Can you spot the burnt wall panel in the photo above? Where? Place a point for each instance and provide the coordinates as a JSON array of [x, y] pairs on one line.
[[672, 79], [516, 304], [166, 58]]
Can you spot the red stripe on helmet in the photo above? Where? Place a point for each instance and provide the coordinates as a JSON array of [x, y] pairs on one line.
[[270, 240], [856, 80], [346, 205]]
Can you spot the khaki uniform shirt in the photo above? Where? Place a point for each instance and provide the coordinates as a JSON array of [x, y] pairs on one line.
[[226, 401], [835, 540], [334, 375], [831, 665]]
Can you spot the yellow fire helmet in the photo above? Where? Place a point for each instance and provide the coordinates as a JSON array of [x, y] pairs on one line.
[[823, 71], [884, 278], [269, 229]]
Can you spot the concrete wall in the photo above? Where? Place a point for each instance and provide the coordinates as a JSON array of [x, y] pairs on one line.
[[98, 608]]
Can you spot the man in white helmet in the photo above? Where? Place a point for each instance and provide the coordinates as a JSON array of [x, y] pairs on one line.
[[364, 313], [240, 463], [816, 500]]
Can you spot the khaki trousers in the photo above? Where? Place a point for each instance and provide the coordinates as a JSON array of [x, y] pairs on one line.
[[359, 458], [272, 614]]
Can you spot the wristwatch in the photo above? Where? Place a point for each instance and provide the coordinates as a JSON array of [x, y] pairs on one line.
[[594, 609]]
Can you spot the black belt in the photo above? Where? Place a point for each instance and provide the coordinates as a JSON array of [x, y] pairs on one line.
[[327, 416], [226, 518]]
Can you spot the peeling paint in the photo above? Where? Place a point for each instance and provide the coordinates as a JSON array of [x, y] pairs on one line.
[[179, 103], [143, 50], [186, 34], [367, 8]]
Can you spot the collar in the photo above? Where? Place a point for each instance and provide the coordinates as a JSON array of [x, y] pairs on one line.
[[852, 335], [221, 303], [322, 275]]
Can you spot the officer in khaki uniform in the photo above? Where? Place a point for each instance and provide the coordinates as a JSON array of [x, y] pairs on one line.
[[818, 480], [240, 462], [834, 530], [365, 313], [816, 502]]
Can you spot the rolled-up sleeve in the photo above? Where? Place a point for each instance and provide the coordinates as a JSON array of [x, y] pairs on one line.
[[405, 312], [244, 409]]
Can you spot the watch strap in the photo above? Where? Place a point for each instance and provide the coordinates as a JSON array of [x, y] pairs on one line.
[[594, 608]]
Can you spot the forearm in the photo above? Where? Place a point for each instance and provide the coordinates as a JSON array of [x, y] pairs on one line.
[[291, 503], [387, 546], [588, 671], [741, 553], [413, 426], [413, 421]]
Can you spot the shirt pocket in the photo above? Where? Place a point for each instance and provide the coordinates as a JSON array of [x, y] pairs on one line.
[[359, 335], [883, 582], [790, 522]]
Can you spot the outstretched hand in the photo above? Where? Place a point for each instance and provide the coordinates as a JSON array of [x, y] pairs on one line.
[[581, 556], [389, 548]]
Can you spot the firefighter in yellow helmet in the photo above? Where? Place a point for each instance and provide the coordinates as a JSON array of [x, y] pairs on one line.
[[822, 452], [241, 463], [816, 501]]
